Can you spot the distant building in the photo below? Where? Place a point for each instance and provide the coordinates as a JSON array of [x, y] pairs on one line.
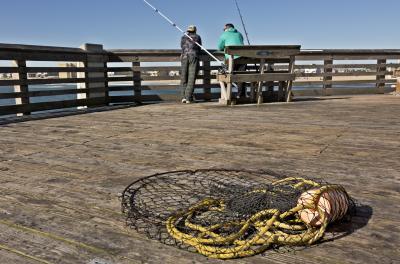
[[67, 74], [173, 73], [152, 73], [310, 71]]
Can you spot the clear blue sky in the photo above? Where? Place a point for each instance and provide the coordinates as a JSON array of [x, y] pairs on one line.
[[131, 24]]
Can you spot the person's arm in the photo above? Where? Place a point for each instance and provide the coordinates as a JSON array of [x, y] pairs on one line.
[[221, 44]]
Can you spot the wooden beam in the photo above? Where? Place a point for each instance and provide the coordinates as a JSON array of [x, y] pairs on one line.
[[207, 79], [22, 87], [264, 51], [327, 84], [137, 82], [256, 77], [289, 94], [381, 68], [45, 106]]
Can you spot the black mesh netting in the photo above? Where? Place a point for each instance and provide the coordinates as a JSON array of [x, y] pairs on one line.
[[229, 213]]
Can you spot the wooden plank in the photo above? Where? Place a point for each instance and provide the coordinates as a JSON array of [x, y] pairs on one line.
[[41, 56], [259, 92], [119, 79], [49, 81], [339, 74], [45, 106], [120, 88], [36, 48], [106, 85], [327, 80], [137, 82], [263, 51], [157, 87], [289, 94], [49, 93], [243, 60], [360, 81], [21, 87], [160, 68], [398, 86], [366, 66], [119, 69], [65, 69], [155, 58], [8, 69], [339, 91], [206, 67], [256, 77], [160, 97], [168, 97], [382, 68]]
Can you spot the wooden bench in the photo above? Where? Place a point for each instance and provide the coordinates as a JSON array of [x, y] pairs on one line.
[[259, 56]]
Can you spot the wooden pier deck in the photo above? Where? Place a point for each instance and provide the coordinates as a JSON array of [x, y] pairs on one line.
[[60, 177]]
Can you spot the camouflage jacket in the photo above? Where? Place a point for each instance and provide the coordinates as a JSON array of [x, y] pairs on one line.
[[189, 47]]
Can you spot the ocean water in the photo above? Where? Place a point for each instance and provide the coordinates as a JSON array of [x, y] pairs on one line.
[[10, 89]]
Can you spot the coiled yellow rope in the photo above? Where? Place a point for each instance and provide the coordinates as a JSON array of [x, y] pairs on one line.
[[271, 225]]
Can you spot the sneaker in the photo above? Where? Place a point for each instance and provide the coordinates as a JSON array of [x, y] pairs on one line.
[[184, 101], [189, 102]]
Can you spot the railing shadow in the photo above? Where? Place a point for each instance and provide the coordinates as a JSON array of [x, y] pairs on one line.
[[61, 113], [328, 98]]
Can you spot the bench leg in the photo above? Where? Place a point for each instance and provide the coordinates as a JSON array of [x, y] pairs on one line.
[[260, 98], [223, 90], [289, 94], [280, 91]]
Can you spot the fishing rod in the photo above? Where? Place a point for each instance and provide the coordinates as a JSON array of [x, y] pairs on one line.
[[186, 34], [244, 26]]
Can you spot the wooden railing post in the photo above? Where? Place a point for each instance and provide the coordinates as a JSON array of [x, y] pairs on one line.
[[397, 75], [96, 60], [380, 86], [207, 79], [22, 87], [398, 85], [327, 86], [137, 82]]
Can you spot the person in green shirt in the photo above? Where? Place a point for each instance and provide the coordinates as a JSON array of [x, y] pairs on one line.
[[232, 37]]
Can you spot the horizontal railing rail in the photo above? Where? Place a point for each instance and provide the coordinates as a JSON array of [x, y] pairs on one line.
[[41, 78]]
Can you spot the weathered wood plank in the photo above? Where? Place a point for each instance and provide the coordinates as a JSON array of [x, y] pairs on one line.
[[49, 93], [341, 74], [265, 77], [32, 107], [264, 51], [49, 81], [73, 182]]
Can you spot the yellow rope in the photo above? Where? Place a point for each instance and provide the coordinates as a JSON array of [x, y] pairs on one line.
[[15, 251], [272, 226]]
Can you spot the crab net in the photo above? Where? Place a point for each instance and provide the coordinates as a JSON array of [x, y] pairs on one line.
[[230, 213]]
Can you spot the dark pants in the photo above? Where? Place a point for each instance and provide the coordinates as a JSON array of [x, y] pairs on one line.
[[190, 66], [242, 85]]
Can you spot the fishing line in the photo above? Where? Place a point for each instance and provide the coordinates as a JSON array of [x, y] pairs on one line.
[[244, 26], [187, 35], [223, 69]]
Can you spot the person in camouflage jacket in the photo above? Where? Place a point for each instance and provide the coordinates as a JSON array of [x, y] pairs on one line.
[[190, 63]]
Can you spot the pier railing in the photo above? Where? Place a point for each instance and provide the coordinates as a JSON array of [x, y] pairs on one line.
[[37, 78]]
